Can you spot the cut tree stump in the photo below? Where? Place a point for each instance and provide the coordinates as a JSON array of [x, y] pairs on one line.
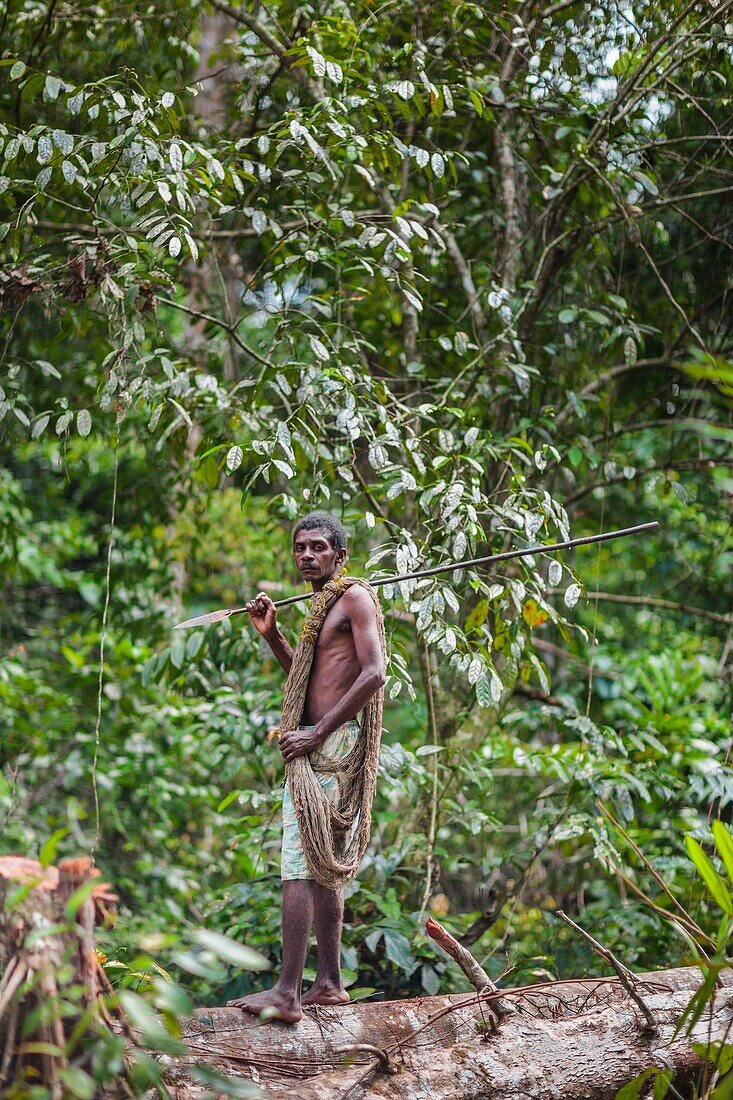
[[38, 944], [574, 1040]]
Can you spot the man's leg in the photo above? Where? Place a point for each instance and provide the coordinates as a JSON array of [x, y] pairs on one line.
[[284, 997], [328, 911], [328, 905]]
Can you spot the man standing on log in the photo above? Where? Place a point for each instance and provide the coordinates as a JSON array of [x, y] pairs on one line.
[[331, 759]]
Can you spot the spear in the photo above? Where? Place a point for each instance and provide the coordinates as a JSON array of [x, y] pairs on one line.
[[227, 612]]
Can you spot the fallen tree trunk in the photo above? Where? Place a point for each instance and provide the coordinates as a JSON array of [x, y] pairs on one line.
[[574, 1039]]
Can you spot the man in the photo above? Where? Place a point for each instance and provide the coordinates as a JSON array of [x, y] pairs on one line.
[[337, 670]]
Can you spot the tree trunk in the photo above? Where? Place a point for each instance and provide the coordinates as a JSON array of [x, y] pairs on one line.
[[574, 1039], [38, 943]]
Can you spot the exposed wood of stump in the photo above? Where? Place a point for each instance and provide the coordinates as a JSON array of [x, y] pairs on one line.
[[580, 1040], [35, 951]]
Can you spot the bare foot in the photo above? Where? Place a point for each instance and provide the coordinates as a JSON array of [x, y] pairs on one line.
[[274, 1004], [326, 995]]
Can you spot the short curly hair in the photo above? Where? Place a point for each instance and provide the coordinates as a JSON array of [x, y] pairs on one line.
[[333, 527]]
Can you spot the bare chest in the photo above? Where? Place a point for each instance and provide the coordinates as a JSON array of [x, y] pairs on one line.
[[336, 634]]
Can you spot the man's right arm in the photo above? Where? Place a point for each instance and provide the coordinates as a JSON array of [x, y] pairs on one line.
[[263, 616]]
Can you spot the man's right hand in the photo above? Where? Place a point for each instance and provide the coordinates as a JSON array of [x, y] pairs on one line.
[[262, 614]]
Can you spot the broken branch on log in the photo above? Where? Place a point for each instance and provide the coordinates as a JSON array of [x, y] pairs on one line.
[[625, 976], [473, 970]]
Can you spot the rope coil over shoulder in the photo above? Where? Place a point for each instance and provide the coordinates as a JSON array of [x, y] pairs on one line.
[[332, 853]]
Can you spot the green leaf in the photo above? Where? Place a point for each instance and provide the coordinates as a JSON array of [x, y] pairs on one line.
[[231, 797], [632, 1090], [171, 998], [51, 88], [320, 349], [145, 1020], [712, 879], [17, 70], [284, 467], [662, 1083], [646, 182], [192, 246], [484, 696], [724, 1089], [43, 1048], [232, 952], [234, 458], [79, 896], [429, 980], [48, 852], [78, 1082], [144, 1070], [572, 595], [220, 1085], [194, 964], [477, 618], [397, 949], [724, 844], [718, 1053], [699, 1000]]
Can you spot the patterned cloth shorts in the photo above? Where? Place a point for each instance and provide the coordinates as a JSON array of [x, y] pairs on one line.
[[337, 746]]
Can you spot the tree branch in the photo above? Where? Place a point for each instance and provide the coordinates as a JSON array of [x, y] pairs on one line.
[[230, 329], [695, 464], [608, 376], [433, 823], [507, 176], [473, 970], [268, 39], [469, 287], [653, 601], [625, 976]]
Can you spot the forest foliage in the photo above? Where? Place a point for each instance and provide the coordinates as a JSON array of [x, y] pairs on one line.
[[459, 273]]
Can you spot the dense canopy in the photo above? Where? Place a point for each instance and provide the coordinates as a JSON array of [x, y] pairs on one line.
[[460, 274]]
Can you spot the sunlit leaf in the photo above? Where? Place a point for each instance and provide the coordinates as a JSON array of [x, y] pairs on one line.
[[227, 949]]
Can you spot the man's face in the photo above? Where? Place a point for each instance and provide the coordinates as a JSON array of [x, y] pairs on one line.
[[315, 558]]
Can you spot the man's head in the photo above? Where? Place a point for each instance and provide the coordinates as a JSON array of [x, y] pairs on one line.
[[319, 547]]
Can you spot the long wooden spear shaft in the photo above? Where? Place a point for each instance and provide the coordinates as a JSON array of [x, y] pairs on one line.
[[227, 612]]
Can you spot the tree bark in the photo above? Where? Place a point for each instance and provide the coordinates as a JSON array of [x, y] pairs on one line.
[[37, 944], [574, 1039]]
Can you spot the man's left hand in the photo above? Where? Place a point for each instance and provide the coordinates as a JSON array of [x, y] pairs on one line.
[[296, 743]]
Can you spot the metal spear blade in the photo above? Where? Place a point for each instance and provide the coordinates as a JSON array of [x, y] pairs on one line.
[[205, 620]]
